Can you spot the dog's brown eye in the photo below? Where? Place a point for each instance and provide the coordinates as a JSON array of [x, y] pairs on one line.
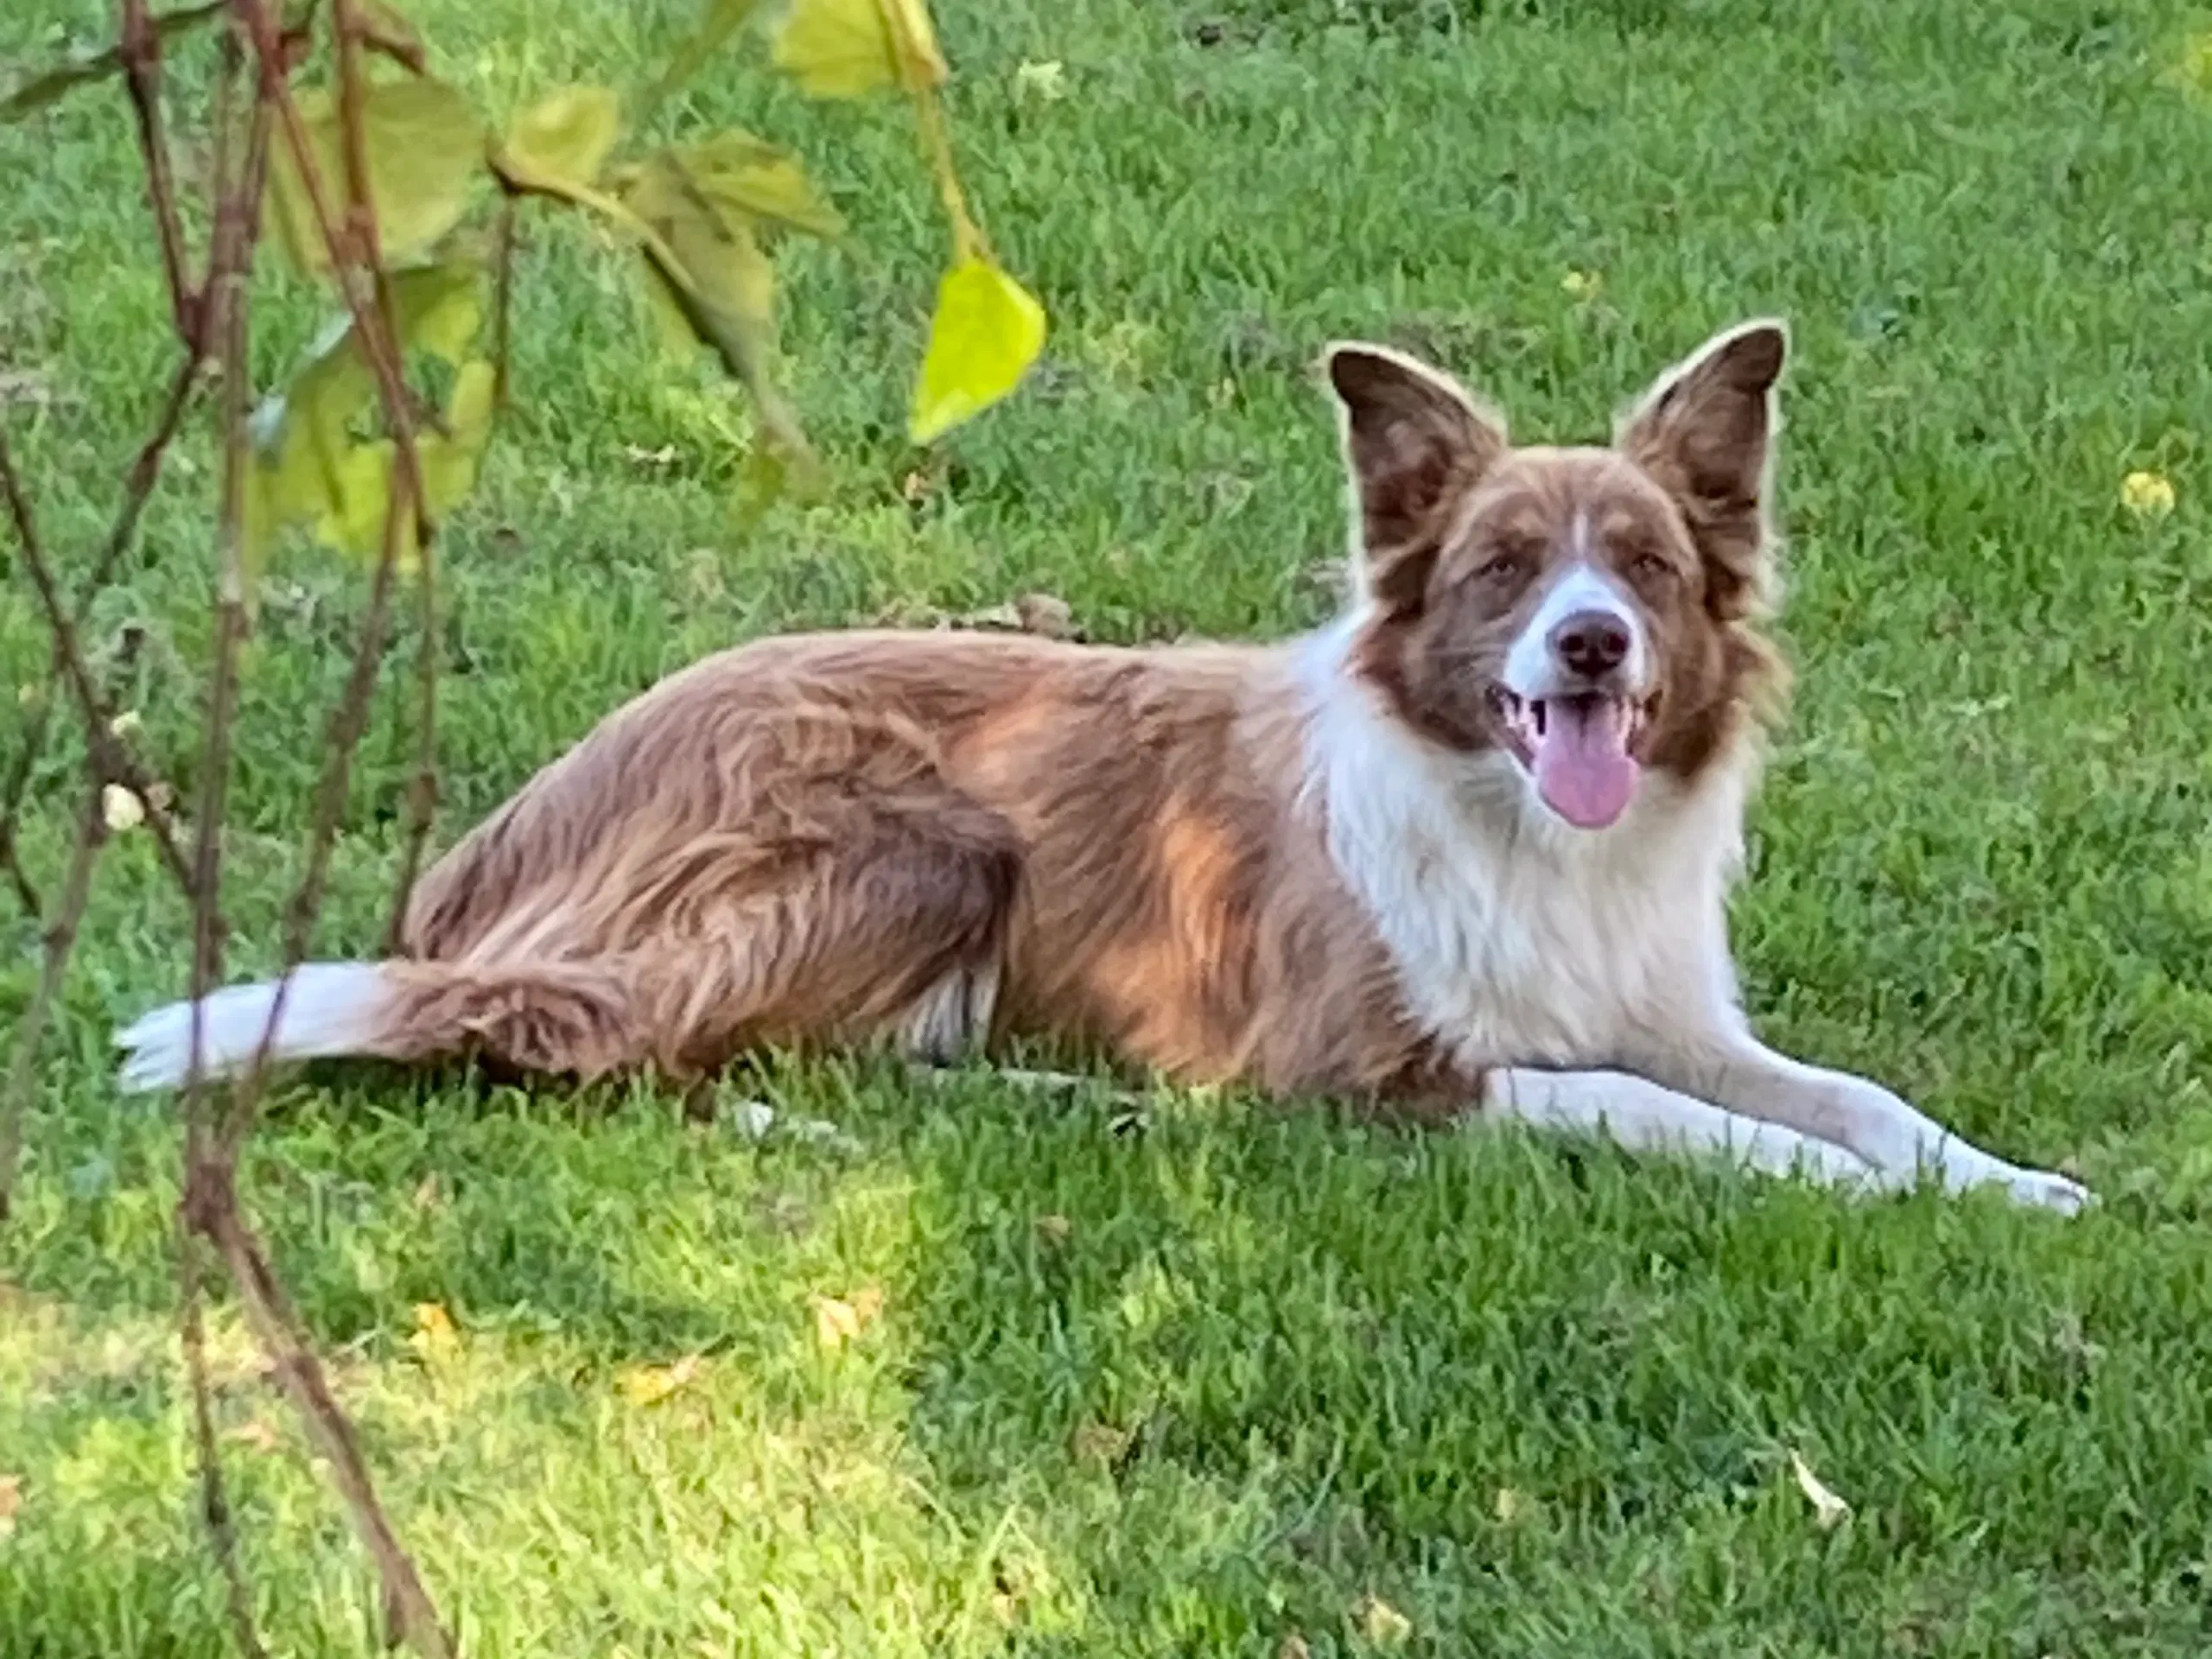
[[1651, 565], [1506, 559]]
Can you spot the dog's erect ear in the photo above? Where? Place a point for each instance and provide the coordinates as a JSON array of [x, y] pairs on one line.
[[1416, 443], [1706, 434]]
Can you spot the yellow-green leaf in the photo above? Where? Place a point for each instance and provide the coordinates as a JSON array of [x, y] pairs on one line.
[[723, 19], [302, 434], [671, 326], [361, 484], [450, 462], [42, 87], [387, 30], [717, 254], [987, 332], [847, 48], [360, 495], [751, 176], [424, 149], [913, 40], [562, 138]]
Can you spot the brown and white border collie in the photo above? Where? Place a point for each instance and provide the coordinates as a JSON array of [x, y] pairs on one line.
[[1463, 852]]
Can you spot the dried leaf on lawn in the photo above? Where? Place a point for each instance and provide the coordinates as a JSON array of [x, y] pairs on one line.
[[1827, 1508], [648, 1385], [840, 1319]]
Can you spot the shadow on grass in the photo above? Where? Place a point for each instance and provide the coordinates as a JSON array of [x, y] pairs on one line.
[[1186, 1386]]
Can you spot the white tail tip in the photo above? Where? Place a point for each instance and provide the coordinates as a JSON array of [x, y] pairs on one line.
[[330, 1008]]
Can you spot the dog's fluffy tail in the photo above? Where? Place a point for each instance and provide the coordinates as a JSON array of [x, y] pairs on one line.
[[578, 1018], [330, 1008]]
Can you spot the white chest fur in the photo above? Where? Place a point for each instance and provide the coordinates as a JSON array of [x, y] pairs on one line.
[[1519, 939]]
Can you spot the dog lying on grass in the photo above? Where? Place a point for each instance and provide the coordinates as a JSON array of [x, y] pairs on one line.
[[1462, 853]]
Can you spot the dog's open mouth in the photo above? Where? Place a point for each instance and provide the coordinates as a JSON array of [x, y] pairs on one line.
[[1580, 750]]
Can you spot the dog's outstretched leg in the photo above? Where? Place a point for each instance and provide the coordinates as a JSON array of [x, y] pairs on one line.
[[1735, 1070], [1642, 1116]]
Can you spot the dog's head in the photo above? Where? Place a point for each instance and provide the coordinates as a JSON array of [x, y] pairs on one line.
[[1591, 613]]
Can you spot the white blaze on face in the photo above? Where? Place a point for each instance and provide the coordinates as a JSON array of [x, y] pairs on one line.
[[1531, 671], [1577, 743]]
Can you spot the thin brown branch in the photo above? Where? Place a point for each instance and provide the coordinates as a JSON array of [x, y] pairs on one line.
[[227, 266], [30, 1028], [112, 762], [213, 1205], [18, 878], [373, 317], [138, 486], [238, 228], [410, 503], [379, 345], [215, 1497], [423, 787], [140, 48], [211, 1197], [226, 311]]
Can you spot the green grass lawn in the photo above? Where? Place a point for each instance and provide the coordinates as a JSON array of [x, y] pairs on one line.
[[1242, 1379]]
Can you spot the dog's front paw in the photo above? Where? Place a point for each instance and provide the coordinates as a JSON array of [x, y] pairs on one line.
[[2048, 1190]]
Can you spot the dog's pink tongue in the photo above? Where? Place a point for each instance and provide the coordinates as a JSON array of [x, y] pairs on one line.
[[1584, 770]]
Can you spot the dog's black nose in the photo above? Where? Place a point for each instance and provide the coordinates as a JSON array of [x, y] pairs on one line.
[[1590, 642]]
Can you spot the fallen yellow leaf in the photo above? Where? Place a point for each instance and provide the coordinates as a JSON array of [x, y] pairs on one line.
[[2147, 495], [838, 1321], [987, 332], [435, 1336], [11, 1502], [1827, 1508], [648, 1385], [1381, 1623]]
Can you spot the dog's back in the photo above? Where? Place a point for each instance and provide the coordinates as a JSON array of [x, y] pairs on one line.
[[936, 837]]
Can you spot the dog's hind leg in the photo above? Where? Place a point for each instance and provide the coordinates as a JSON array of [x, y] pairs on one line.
[[896, 931]]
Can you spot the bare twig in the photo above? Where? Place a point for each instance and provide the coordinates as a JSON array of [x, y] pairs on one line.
[[214, 1498], [211, 1205], [18, 877], [214, 1208], [141, 51], [225, 309], [238, 228], [60, 940], [408, 507], [378, 344], [112, 762], [138, 486]]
